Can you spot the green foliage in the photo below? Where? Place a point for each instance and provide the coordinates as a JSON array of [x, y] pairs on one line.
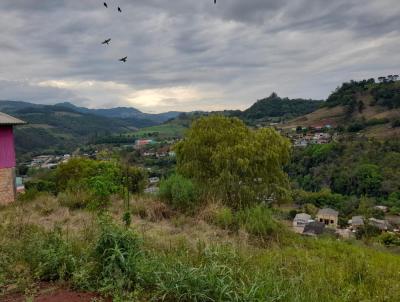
[[136, 178], [346, 94], [116, 253], [225, 218], [369, 179], [387, 94], [258, 221], [113, 261], [367, 231], [389, 239], [179, 192], [350, 168], [238, 165], [84, 182], [274, 106]]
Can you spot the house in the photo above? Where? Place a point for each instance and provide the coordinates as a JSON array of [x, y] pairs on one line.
[[329, 217], [382, 208], [314, 228], [383, 225], [356, 222], [154, 180], [143, 142], [300, 220], [7, 158]]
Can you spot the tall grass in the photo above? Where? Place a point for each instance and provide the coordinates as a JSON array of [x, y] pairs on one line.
[[112, 260]]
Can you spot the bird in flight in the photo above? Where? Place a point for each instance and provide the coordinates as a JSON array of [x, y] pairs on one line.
[[105, 4], [119, 9], [215, 1], [123, 59], [106, 42]]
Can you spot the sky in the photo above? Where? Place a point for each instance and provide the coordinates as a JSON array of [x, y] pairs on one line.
[[190, 55]]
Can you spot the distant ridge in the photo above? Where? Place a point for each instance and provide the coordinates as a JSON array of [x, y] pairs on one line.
[[124, 112]]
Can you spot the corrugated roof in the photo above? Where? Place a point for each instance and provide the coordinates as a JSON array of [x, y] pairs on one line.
[[302, 216], [328, 211], [357, 220], [314, 228], [6, 119]]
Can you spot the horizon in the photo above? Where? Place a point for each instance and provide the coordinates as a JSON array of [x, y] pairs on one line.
[[193, 56]]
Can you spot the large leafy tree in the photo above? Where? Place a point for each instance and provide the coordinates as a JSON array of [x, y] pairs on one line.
[[238, 165]]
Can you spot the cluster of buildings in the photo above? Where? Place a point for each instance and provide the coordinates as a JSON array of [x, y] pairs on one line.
[[303, 140], [327, 219], [48, 161]]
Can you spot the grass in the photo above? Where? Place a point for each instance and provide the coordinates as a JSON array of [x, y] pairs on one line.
[[165, 259], [163, 131]]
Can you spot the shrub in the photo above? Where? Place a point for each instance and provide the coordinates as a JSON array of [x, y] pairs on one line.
[[179, 192], [74, 199], [225, 218], [116, 254], [390, 239], [367, 232], [258, 221]]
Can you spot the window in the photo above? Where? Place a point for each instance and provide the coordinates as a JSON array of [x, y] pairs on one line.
[[321, 220], [332, 222]]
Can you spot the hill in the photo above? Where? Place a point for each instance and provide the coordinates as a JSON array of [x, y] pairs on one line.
[[274, 108], [125, 113], [366, 106], [58, 129]]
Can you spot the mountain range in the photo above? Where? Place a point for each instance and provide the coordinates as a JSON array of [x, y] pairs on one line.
[[355, 106]]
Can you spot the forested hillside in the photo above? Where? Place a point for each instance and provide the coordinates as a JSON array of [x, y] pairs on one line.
[[278, 109], [369, 107], [57, 129], [347, 174]]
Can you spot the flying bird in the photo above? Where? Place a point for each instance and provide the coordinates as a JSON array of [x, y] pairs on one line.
[[123, 59], [119, 9], [105, 4], [215, 1], [106, 42]]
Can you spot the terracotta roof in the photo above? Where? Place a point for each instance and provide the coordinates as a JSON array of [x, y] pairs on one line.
[[8, 120]]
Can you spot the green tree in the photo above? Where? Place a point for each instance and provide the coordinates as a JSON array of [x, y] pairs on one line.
[[238, 165], [369, 179], [179, 192]]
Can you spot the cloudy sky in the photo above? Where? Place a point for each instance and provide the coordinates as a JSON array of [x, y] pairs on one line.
[[191, 54]]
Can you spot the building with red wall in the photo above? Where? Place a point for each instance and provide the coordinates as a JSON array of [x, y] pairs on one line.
[[7, 158]]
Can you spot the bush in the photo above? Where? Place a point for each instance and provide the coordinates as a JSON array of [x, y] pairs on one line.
[[77, 199], [258, 221], [390, 239], [116, 254], [225, 218], [179, 192], [367, 232]]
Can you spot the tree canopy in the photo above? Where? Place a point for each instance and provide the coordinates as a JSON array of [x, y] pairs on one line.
[[237, 164]]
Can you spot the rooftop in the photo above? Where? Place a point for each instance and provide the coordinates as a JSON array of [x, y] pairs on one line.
[[302, 216], [357, 220], [328, 211], [314, 228], [8, 120]]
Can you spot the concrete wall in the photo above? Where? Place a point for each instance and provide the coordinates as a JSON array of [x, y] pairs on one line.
[[7, 185], [329, 220]]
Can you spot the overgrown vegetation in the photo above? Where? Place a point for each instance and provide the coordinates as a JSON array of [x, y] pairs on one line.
[[349, 170], [110, 259]]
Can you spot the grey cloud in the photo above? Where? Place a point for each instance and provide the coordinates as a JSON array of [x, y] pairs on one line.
[[241, 50]]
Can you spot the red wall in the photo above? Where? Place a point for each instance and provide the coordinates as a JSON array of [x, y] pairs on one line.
[[7, 151]]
